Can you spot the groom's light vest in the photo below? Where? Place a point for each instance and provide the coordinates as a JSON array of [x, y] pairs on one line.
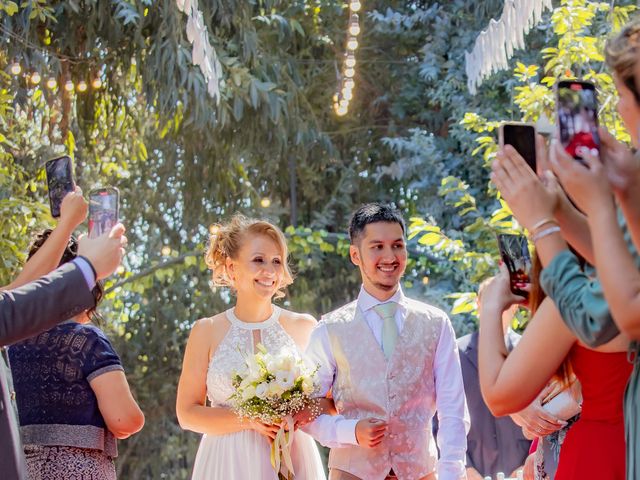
[[401, 390]]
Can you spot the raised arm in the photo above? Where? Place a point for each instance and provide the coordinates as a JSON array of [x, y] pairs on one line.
[[73, 211], [501, 374], [616, 258], [578, 296]]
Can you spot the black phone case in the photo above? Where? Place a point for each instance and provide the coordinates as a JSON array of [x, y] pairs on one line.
[[58, 187]]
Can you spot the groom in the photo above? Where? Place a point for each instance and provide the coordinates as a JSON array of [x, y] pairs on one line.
[[390, 363]]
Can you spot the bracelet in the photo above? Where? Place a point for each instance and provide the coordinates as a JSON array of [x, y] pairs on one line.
[[542, 222], [538, 235]]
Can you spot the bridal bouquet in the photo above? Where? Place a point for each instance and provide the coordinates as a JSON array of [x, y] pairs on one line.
[[272, 388]]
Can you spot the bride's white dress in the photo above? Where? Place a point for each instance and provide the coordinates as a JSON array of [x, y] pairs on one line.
[[245, 455]]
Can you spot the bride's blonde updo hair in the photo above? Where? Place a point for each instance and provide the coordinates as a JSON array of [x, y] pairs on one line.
[[226, 240]]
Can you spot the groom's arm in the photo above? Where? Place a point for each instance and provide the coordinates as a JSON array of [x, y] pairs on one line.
[[453, 416], [332, 431]]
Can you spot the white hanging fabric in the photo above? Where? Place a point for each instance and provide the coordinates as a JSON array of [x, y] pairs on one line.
[[202, 53], [495, 45]]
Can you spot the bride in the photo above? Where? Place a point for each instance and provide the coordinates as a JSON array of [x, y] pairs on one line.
[[250, 256]]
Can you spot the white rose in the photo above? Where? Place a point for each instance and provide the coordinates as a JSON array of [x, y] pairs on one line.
[[255, 371], [285, 379], [248, 392], [261, 390], [275, 390], [307, 386]]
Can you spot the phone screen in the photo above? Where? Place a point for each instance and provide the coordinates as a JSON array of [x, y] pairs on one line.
[[59, 181], [103, 211], [523, 139], [514, 251], [578, 117]]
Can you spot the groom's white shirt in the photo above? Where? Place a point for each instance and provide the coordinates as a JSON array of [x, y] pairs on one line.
[[453, 416]]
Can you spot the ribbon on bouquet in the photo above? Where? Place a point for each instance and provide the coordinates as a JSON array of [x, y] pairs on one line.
[[281, 448]]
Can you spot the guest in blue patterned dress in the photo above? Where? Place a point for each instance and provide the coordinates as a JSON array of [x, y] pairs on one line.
[[72, 395]]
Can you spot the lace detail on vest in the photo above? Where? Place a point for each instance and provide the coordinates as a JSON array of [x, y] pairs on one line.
[[237, 343]]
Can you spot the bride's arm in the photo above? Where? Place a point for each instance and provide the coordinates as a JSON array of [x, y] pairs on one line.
[[191, 409]]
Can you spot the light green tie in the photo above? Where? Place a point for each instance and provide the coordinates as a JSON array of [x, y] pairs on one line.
[[387, 312]]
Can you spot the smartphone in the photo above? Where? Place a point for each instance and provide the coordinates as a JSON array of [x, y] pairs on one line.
[[577, 109], [103, 210], [522, 137], [59, 182], [514, 251]]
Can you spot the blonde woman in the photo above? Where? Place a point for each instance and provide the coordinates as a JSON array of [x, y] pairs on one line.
[[250, 257]]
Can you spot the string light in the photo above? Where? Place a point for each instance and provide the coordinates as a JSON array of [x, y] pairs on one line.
[[354, 25], [96, 84], [68, 86], [82, 86], [35, 78], [15, 68], [265, 202], [346, 84], [166, 251], [51, 83], [214, 229]]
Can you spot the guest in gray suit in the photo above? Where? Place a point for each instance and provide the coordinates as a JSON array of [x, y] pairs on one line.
[[27, 309]]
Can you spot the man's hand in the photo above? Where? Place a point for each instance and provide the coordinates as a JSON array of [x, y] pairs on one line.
[[535, 420], [73, 209], [104, 252], [370, 432]]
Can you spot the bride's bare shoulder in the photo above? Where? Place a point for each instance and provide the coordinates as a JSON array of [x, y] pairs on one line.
[[212, 328]]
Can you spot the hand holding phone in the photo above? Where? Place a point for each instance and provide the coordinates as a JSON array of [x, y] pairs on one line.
[[577, 110], [514, 251], [103, 210], [59, 181], [522, 137]]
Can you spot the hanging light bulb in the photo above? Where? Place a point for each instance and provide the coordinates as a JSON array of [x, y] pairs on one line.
[[354, 25], [68, 86], [349, 72], [35, 78], [350, 61], [265, 202], [214, 229], [341, 111], [51, 83], [82, 86], [347, 94], [96, 83], [15, 68], [355, 5], [349, 83], [352, 44], [166, 251]]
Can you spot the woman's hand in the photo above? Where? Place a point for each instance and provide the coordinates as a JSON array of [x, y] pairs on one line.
[[497, 294], [73, 209], [621, 165], [267, 429], [588, 186], [529, 199]]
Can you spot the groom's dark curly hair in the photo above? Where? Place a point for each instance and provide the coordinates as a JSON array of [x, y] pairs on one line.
[[373, 213]]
